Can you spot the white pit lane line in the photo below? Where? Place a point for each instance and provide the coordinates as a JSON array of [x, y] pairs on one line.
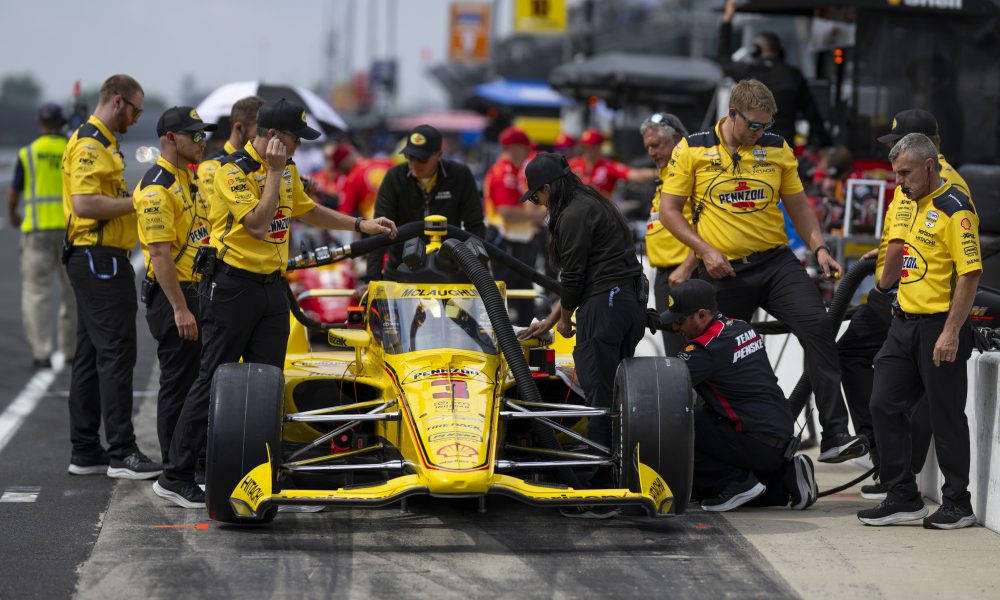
[[25, 402]]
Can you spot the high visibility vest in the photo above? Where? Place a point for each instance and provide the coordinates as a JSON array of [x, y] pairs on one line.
[[42, 163]]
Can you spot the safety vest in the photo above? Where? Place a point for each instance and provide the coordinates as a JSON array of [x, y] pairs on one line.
[[42, 162]]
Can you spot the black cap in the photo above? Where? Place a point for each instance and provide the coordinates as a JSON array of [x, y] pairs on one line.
[[285, 116], [181, 118], [422, 142], [51, 114], [543, 169], [913, 120], [686, 298]]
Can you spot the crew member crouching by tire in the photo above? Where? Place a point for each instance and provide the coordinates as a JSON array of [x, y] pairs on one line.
[[743, 425]]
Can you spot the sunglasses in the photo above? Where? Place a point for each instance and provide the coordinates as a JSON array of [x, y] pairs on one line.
[[196, 136], [755, 125], [138, 111], [665, 119]]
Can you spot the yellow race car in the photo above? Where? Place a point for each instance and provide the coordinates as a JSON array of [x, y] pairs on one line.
[[433, 394]]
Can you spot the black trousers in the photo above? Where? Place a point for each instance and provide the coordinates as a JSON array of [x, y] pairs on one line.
[[904, 370], [776, 282], [868, 330], [239, 318], [100, 386], [672, 342], [179, 361], [609, 325], [723, 455], [526, 252]]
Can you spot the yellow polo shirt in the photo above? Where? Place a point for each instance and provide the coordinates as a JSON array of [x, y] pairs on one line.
[[207, 169], [93, 164], [942, 243], [239, 184], [663, 249], [900, 212], [737, 199], [167, 209]]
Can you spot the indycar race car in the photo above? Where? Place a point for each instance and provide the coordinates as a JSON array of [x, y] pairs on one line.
[[432, 394]]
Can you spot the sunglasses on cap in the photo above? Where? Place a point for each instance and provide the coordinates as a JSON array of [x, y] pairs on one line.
[[755, 125]]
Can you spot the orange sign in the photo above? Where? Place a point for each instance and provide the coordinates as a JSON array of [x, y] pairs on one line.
[[470, 33]]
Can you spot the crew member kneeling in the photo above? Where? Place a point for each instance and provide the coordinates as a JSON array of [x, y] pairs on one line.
[[743, 426]]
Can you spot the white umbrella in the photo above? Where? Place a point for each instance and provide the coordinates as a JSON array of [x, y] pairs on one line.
[[319, 114]]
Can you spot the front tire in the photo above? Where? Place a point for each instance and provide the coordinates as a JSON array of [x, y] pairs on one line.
[[244, 419], [655, 403]]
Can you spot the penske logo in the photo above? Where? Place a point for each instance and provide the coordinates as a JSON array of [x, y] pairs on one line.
[[743, 195], [199, 235], [914, 265]]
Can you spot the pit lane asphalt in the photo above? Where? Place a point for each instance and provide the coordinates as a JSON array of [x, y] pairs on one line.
[[94, 537]]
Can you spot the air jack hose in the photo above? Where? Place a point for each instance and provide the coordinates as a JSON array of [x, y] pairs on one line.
[[507, 341]]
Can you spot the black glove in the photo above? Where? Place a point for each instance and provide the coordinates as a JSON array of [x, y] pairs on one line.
[[653, 320]]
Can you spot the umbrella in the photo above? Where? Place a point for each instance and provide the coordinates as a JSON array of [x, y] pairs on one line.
[[319, 114]]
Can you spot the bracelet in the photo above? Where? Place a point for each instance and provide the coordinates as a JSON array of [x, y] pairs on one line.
[[357, 224], [823, 247]]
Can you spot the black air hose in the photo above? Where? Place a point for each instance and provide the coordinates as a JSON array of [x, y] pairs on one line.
[[836, 311], [498, 254], [507, 341]]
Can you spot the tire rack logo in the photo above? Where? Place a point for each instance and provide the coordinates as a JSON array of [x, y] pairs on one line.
[[277, 231], [914, 265], [749, 195]]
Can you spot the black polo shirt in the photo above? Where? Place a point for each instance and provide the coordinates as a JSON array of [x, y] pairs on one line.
[[400, 198], [730, 371]]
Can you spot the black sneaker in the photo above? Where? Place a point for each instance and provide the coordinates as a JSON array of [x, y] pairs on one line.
[[590, 512], [736, 494], [888, 512], [841, 447], [134, 466], [88, 465], [185, 494], [199, 477], [805, 492], [875, 491], [950, 516]]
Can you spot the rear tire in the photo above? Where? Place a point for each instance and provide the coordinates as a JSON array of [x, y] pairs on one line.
[[243, 420], [655, 401]]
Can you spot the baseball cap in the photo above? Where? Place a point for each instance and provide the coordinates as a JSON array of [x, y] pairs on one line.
[[686, 298], [565, 140], [913, 120], [51, 113], [512, 136], [285, 116], [592, 137], [544, 168], [422, 142], [181, 118], [341, 152]]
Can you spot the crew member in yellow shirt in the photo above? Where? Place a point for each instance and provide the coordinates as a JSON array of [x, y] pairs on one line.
[[245, 304], [242, 129], [869, 325], [674, 262], [172, 226], [929, 342], [735, 174], [100, 233]]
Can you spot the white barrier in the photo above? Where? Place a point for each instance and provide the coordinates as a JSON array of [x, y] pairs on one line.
[[983, 411]]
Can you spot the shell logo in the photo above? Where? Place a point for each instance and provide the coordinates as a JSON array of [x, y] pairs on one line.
[[457, 451], [194, 115], [418, 139]]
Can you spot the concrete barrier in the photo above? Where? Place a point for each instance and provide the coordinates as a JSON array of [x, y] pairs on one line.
[[983, 411]]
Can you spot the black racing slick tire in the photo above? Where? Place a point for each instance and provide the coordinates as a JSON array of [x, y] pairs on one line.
[[243, 420], [654, 402]]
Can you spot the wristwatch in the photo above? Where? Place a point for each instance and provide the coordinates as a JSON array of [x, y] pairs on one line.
[[823, 247], [357, 224]]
